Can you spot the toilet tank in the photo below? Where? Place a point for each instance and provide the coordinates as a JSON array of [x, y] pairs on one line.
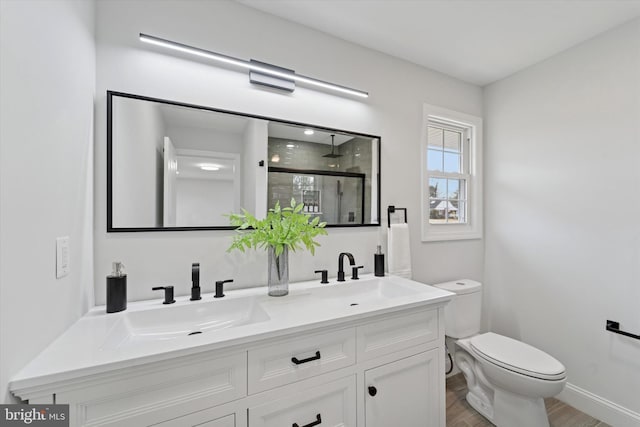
[[462, 314]]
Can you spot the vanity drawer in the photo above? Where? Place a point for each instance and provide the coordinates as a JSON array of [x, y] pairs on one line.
[[295, 359], [396, 333], [331, 404], [144, 398]]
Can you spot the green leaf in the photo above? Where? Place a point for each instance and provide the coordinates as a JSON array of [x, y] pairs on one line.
[[282, 227]]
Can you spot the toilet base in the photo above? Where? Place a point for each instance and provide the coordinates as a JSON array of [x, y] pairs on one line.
[[513, 410], [479, 405], [503, 408], [480, 392]]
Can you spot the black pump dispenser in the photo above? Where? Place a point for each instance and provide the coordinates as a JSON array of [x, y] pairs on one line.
[[117, 289], [378, 262]]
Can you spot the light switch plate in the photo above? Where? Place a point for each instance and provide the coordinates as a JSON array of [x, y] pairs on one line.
[[62, 256]]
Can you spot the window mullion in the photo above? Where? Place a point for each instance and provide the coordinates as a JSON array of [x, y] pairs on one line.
[[449, 175]]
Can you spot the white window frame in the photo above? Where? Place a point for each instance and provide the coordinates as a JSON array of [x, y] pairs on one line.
[[472, 229]]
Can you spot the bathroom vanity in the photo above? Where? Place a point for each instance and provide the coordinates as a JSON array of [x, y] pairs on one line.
[[360, 353]]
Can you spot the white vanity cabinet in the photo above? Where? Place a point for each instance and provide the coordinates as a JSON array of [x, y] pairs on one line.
[[403, 385], [404, 392], [377, 369], [149, 394], [400, 356]]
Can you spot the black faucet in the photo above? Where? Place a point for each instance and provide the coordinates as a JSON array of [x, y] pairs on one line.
[[325, 276], [168, 293], [195, 281], [219, 287], [352, 262], [354, 272]]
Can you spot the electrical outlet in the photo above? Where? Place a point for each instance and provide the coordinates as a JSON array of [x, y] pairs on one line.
[[62, 256]]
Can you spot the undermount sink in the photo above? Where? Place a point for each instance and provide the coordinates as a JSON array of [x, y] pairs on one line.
[[362, 291], [168, 323]]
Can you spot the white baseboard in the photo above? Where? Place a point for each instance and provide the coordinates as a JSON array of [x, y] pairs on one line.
[[598, 407]]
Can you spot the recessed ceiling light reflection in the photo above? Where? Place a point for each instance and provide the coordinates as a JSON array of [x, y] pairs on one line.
[[275, 158], [290, 145], [308, 131], [209, 167]]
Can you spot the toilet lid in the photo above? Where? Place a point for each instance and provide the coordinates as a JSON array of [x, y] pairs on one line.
[[517, 356]]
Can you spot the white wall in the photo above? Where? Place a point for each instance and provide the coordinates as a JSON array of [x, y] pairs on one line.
[[202, 202], [192, 138], [47, 77], [562, 180], [398, 90], [254, 177], [138, 153]]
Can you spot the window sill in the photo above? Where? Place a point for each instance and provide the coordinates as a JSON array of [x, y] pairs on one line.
[[445, 235]]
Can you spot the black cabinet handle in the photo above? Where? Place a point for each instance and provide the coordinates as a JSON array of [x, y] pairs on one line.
[[372, 390], [311, 424], [309, 359]]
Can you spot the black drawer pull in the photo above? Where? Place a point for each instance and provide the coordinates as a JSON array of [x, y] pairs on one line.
[[311, 424], [372, 390], [309, 359]]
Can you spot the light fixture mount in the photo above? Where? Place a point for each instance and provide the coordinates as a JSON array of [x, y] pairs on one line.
[[269, 80], [278, 74]]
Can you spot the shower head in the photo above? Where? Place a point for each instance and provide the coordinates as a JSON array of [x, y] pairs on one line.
[[332, 154]]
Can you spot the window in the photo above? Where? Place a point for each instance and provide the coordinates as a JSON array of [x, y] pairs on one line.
[[451, 187]]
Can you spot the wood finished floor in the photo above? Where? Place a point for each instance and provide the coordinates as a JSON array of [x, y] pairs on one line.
[[461, 414]]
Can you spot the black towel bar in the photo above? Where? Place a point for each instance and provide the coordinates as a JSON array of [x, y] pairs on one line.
[[614, 326], [391, 209]]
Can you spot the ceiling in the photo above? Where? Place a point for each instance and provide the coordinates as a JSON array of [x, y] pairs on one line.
[[479, 41], [296, 133], [189, 117]]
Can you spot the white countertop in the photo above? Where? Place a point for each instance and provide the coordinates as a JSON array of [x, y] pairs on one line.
[[88, 348]]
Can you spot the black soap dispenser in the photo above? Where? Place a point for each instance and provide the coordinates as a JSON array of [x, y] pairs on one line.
[[117, 289], [378, 262]]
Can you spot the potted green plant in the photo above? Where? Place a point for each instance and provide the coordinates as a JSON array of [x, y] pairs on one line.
[[282, 229]]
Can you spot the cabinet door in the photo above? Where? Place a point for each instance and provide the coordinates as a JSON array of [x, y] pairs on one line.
[[331, 404], [403, 393]]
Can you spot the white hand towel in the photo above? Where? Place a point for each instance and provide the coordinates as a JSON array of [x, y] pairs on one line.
[[399, 250]]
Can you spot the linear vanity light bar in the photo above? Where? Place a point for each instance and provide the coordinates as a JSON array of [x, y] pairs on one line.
[[249, 65]]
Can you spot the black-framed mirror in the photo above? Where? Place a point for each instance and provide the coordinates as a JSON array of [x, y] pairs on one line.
[[177, 166]]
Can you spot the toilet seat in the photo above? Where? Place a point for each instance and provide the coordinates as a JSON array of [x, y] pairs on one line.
[[517, 356]]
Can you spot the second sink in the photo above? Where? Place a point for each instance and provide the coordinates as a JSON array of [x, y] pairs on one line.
[[366, 290]]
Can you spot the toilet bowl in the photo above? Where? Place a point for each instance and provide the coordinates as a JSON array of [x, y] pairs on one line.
[[507, 379]]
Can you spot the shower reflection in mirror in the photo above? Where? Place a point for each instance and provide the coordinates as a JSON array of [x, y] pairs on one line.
[[330, 173]]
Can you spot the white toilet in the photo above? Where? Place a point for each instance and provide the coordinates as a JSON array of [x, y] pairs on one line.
[[507, 379]]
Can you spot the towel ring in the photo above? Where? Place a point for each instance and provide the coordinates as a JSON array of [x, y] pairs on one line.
[[392, 209]]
